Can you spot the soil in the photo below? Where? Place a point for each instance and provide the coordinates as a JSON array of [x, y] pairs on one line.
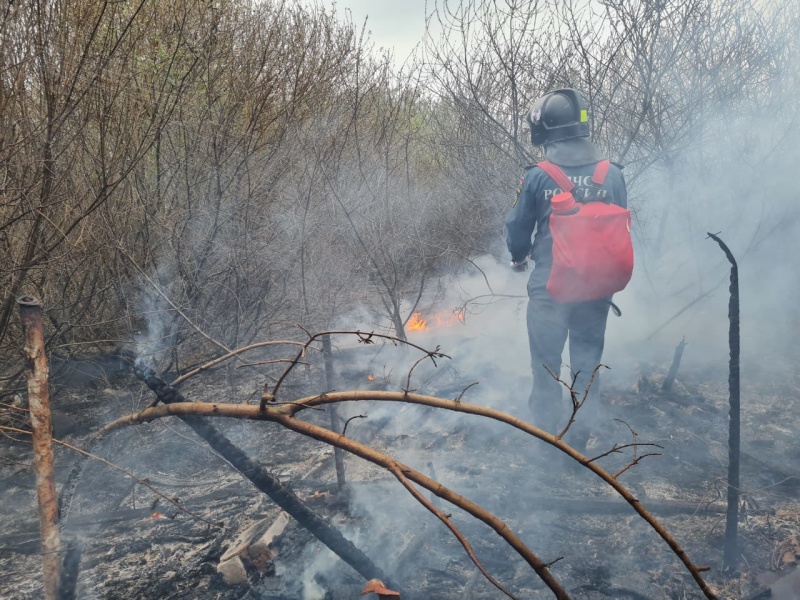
[[136, 544]]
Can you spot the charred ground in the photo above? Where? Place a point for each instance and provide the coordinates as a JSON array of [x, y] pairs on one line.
[[137, 545]]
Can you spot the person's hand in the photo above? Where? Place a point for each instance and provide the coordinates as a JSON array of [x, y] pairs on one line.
[[519, 267]]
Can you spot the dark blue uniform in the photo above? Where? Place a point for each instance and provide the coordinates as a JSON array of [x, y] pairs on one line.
[[551, 323]]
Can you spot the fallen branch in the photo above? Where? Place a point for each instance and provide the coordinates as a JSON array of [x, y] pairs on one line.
[[69, 572], [449, 524], [285, 413], [260, 477]]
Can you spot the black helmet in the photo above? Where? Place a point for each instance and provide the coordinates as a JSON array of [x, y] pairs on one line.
[[558, 115]]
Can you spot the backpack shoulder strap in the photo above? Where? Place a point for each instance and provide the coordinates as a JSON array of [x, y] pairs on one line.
[[557, 175], [600, 172]]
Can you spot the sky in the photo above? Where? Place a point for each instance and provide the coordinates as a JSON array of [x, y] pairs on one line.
[[396, 25]]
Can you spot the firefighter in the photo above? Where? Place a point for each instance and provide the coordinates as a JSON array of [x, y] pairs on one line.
[[559, 122]]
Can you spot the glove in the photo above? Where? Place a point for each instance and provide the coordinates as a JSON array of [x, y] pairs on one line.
[[519, 267]]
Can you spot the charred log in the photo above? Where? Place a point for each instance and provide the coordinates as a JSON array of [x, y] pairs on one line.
[[730, 556], [666, 386], [69, 571], [272, 487]]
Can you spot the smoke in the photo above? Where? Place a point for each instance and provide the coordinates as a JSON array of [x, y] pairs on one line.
[[156, 313], [320, 560], [734, 178], [735, 175]]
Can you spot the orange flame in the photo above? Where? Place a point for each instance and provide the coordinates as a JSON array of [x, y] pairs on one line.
[[370, 377], [449, 319], [440, 319], [158, 515], [415, 323]]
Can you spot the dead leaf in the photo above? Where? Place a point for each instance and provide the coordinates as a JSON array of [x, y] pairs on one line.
[[376, 586]]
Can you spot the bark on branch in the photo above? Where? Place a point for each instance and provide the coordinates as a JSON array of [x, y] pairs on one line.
[[42, 425], [285, 413]]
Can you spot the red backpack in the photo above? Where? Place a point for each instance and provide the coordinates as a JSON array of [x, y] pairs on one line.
[[592, 246]]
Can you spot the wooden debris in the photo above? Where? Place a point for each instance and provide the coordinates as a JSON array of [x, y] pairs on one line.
[[262, 551], [233, 571], [666, 386], [376, 586], [253, 549]]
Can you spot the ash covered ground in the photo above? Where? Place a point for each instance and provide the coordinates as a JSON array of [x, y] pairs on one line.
[[138, 545]]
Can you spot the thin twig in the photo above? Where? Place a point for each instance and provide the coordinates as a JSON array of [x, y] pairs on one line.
[[414, 366], [449, 524], [230, 354], [576, 404], [464, 391], [128, 474], [363, 337], [271, 362], [619, 447], [346, 423], [634, 462]]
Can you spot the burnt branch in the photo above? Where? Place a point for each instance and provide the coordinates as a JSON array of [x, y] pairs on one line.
[[673, 368], [554, 561], [731, 553], [70, 568], [284, 415], [346, 423], [260, 477], [449, 524]]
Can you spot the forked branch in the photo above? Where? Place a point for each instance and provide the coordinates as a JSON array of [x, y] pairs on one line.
[[285, 413], [449, 524], [363, 338], [577, 400]]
